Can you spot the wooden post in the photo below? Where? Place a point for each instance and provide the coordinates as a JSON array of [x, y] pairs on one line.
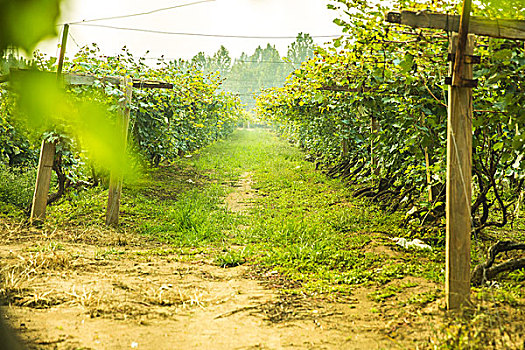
[[427, 164], [344, 146], [459, 177], [65, 33], [374, 130], [429, 175], [47, 156], [43, 179], [461, 47], [115, 182]]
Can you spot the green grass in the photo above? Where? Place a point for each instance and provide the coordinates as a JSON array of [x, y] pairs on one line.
[[232, 258], [16, 190], [303, 224], [194, 219]]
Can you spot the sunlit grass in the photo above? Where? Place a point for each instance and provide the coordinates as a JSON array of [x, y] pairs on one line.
[[304, 224], [301, 227]]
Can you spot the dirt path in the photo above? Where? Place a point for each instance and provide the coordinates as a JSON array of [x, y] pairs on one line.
[[124, 292], [240, 200]]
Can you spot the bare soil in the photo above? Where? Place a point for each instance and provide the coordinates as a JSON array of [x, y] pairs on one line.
[[240, 200], [101, 289]]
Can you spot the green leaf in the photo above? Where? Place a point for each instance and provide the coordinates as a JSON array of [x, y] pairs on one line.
[[497, 146], [407, 64], [502, 55]]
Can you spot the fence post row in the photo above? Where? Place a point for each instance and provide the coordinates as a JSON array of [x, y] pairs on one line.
[[47, 151]]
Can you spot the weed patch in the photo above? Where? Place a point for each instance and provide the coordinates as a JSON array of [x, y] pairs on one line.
[[232, 258]]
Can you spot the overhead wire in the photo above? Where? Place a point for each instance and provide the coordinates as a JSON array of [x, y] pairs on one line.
[[276, 62], [74, 41], [234, 61], [140, 13], [153, 31]]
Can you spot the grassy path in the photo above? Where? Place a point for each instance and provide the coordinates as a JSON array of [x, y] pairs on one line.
[[242, 246], [306, 225]]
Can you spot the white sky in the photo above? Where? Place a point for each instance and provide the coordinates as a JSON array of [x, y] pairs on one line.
[[228, 17]]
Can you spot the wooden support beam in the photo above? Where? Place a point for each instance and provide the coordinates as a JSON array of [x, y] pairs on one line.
[[502, 28], [43, 180], [471, 83], [47, 153], [345, 88], [115, 182], [339, 88], [147, 84], [80, 79], [77, 79], [457, 75], [459, 192]]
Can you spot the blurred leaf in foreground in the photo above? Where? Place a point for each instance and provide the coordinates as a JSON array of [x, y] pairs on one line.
[[45, 104], [23, 23]]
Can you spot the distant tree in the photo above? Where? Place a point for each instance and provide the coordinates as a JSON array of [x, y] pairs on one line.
[[248, 74], [301, 50], [200, 61], [183, 65], [251, 73], [221, 61]]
